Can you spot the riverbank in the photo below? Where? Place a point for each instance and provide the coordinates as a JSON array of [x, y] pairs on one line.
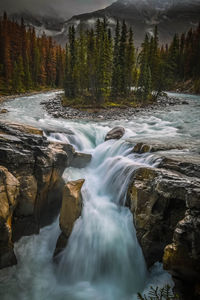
[[27, 94], [55, 108], [187, 87]]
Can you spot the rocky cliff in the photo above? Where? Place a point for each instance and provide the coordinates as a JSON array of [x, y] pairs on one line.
[[31, 184], [165, 203]]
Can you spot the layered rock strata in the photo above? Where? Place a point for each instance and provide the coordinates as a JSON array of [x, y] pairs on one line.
[[33, 167]]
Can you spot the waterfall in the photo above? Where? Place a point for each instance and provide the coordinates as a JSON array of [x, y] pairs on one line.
[[102, 260], [103, 249]]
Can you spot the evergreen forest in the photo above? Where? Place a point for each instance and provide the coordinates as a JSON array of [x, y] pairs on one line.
[[97, 66]]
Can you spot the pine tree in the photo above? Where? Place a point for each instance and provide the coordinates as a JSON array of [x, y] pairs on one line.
[[173, 60], [130, 61], [81, 62], [91, 64], [122, 60], [115, 88], [27, 75], [145, 79], [73, 78], [18, 74], [155, 60], [67, 73]]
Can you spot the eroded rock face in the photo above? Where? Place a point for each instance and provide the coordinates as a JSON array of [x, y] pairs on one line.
[[157, 199], [9, 189], [70, 211], [182, 257], [38, 165], [115, 134], [166, 209]]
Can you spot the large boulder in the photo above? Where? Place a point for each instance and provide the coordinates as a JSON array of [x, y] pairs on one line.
[[115, 134], [9, 189], [70, 211], [81, 160], [142, 147]]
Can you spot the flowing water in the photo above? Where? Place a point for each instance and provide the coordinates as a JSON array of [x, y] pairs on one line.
[[103, 260]]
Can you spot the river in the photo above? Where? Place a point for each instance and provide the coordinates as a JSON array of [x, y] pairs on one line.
[[103, 260]]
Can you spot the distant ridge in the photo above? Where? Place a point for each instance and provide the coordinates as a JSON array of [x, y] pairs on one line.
[[171, 16]]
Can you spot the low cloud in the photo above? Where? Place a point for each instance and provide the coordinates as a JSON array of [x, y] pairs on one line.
[[62, 8]]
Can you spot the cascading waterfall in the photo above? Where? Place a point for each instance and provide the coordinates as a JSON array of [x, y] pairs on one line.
[[103, 260], [103, 249]]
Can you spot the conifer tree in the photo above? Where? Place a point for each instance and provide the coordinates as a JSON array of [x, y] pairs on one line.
[[73, 76], [91, 64], [122, 60], [27, 75], [130, 61], [145, 79], [116, 63]]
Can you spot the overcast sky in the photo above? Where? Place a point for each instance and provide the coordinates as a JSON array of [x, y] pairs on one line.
[[63, 8]]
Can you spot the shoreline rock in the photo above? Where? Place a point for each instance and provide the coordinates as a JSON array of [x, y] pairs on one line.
[[54, 107]]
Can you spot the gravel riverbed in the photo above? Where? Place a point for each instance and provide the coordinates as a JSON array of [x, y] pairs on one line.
[[55, 108]]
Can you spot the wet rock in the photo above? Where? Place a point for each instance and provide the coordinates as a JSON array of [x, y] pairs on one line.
[[9, 189], [3, 111], [70, 211], [182, 257], [141, 148], [116, 133], [21, 128], [51, 130], [38, 165], [155, 146], [185, 164], [158, 199], [81, 160]]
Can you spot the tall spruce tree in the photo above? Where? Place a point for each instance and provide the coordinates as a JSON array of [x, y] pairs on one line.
[[73, 76], [145, 79], [116, 63], [122, 60], [130, 61]]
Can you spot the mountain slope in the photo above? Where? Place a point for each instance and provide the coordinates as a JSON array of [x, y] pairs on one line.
[[49, 25], [171, 16]]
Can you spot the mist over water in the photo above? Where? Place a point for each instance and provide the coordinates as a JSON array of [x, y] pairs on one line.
[[103, 260]]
